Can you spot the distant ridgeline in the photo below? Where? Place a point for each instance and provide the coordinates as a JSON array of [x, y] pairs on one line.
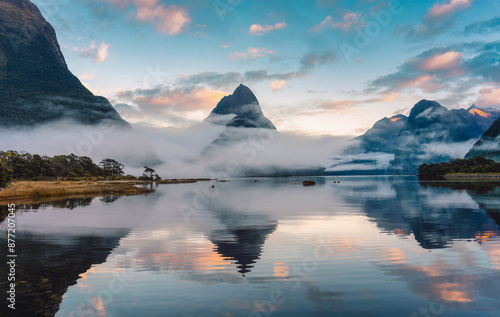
[[475, 165], [24, 166], [400, 144], [36, 84]]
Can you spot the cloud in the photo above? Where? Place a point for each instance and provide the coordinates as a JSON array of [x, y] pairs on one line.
[[425, 82], [170, 20], [97, 141], [230, 80], [347, 105], [387, 97], [252, 53], [98, 53], [489, 97], [445, 61], [483, 27], [448, 7], [337, 105], [278, 85], [86, 76], [260, 30], [167, 106], [437, 20], [458, 68], [313, 60], [348, 21]]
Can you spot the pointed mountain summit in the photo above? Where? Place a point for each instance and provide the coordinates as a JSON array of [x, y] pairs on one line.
[[240, 110], [37, 86]]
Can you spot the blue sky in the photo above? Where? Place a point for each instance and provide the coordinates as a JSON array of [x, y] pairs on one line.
[[317, 67]]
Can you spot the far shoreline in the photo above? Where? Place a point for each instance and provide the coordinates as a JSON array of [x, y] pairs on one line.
[[25, 191], [472, 176]]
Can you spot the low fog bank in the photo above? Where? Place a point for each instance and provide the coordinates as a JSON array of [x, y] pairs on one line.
[[361, 163], [208, 150], [178, 153], [105, 140]]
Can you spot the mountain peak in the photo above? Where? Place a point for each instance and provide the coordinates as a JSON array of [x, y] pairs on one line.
[[472, 108], [37, 86], [244, 107], [242, 103], [424, 105]]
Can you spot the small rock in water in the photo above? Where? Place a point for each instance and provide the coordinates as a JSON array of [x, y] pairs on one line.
[[308, 183]]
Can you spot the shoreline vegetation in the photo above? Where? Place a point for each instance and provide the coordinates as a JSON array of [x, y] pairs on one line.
[[31, 190], [25, 176], [473, 176], [476, 168], [38, 190]]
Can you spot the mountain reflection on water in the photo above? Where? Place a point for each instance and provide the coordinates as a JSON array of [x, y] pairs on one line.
[[435, 217], [367, 246], [242, 239]]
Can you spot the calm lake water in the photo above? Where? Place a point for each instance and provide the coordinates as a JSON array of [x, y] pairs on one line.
[[264, 247]]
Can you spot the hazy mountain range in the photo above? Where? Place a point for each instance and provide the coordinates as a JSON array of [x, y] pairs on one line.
[[37, 88], [430, 134]]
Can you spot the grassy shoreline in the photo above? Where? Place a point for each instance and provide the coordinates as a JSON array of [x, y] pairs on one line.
[[29, 190], [38, 190]]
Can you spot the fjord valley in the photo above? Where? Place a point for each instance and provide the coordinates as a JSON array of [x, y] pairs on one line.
[[249, 158]]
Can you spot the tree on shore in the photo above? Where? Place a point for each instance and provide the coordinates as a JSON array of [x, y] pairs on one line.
[[113, 167], [150, 173]]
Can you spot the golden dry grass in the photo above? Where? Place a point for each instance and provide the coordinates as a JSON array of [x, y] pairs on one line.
[[35, 190]]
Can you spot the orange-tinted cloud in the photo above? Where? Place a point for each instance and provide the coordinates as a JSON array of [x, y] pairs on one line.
[[339, 105], [425, 82], [201, 98], [448, 7], [278, 85], [386, 97], [439, 62], [167, 107], [169, 20], [489, 97]]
